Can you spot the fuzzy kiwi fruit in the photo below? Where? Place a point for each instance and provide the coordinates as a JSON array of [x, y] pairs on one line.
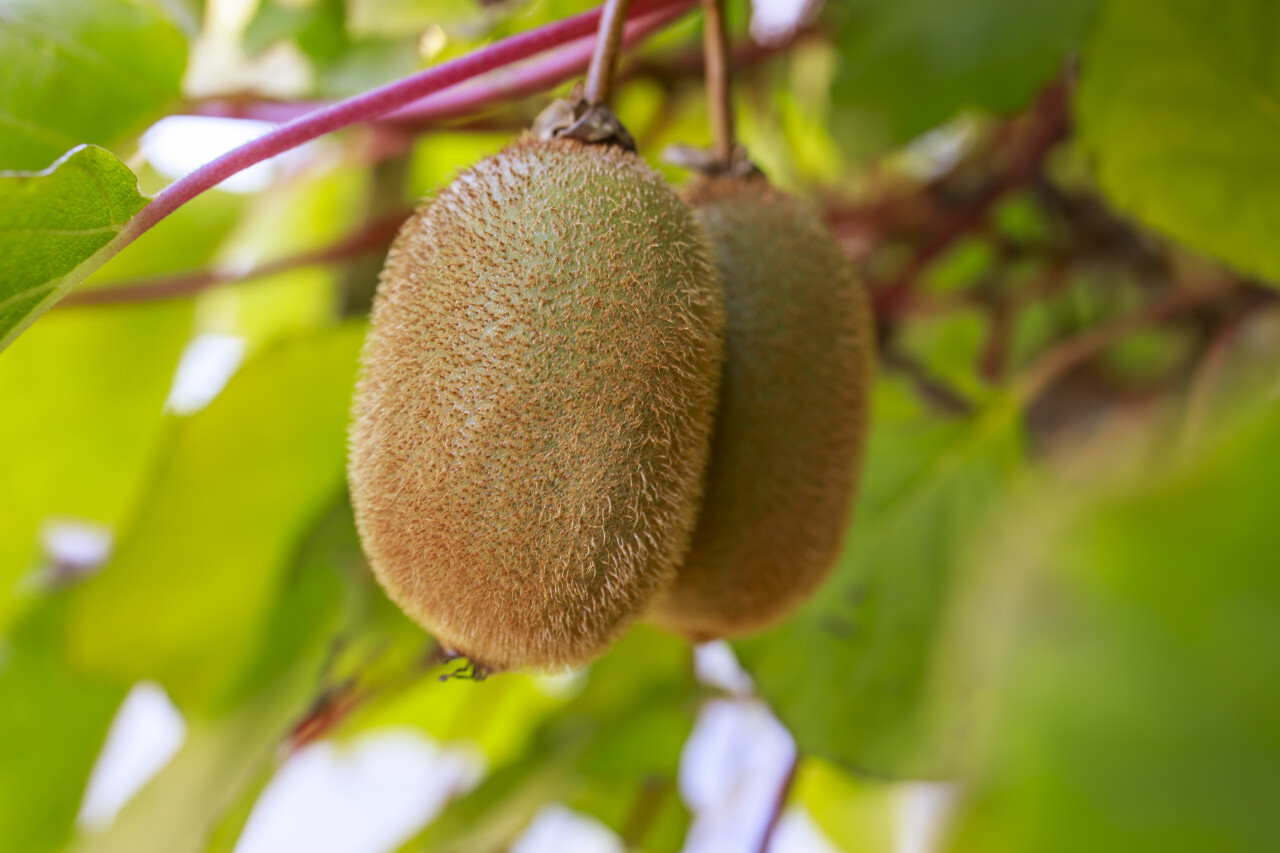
[[532, 420], [792, 419]]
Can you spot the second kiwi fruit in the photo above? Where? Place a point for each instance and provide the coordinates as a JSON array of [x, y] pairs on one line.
[[792, 418]]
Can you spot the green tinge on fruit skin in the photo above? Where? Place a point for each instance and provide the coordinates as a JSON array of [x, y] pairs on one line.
[[534, 411], [792, 419]]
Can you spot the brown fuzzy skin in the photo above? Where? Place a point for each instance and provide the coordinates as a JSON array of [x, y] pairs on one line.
[[794, 399], [533, 416]]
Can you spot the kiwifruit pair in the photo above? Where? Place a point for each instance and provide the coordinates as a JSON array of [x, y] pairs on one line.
[[535, 410]]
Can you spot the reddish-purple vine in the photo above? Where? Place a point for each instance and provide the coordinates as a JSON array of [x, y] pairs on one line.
[[379, 102]]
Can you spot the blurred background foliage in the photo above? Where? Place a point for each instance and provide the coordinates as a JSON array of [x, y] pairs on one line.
[[1055, 620]]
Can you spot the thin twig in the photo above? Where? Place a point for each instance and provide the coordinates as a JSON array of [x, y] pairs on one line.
[[932, 389], [654, 790], [719, 81], [1208, 374], [1068, 354], [604, 60], [1048, 123], [779, 804], [994, 359], [386, 196], [373, 237]]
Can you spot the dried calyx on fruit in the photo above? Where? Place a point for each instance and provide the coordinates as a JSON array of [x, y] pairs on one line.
[[792, 418], [532, 420]]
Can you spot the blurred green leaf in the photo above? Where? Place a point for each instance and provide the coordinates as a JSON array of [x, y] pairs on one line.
[[83, 421], [309, 214], [76, 71], [409, 17], [318, 27], [1136, 703], [857, 814], [205, 558], [344, 64], [1179, 105], [913, 64], [439, 157], [56, 227], [608, 750], [847, 674], [52, 725], [205, 793], [489, 818], [498, 715], [949, 347], [179, 808], [960, 265]]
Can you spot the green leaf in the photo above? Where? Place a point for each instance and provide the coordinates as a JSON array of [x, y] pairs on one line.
[[188, 239], [409, 17], [317, 26], [83, 422], [204, 560], [206, 792], [856, 814], [848, 673], [52, 725], [56, 227], [344, 64], [178, 810], [1136, 695], [76, 71], [611, 748], [1180, 107], [499, 715], [299, 217], [913, 64]]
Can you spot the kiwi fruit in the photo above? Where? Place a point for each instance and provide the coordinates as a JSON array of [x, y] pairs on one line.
[[793, 410], [533, 414]]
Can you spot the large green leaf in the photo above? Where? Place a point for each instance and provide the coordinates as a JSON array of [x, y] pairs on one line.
[[499, 715], [83, 421], [913, 64], [208, 789], [848, 673], [606, 751], [1136, 705], [76, 71], [52, 725], [178, 810], [185, 598], [56, 227], [1180, 107]]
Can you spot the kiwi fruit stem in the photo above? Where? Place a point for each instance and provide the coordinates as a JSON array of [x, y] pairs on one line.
[[718, 73], [604, 61], [587, 112]]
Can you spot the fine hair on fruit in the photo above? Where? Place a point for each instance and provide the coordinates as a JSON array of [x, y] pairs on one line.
[[532, 420], [792, 417]]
